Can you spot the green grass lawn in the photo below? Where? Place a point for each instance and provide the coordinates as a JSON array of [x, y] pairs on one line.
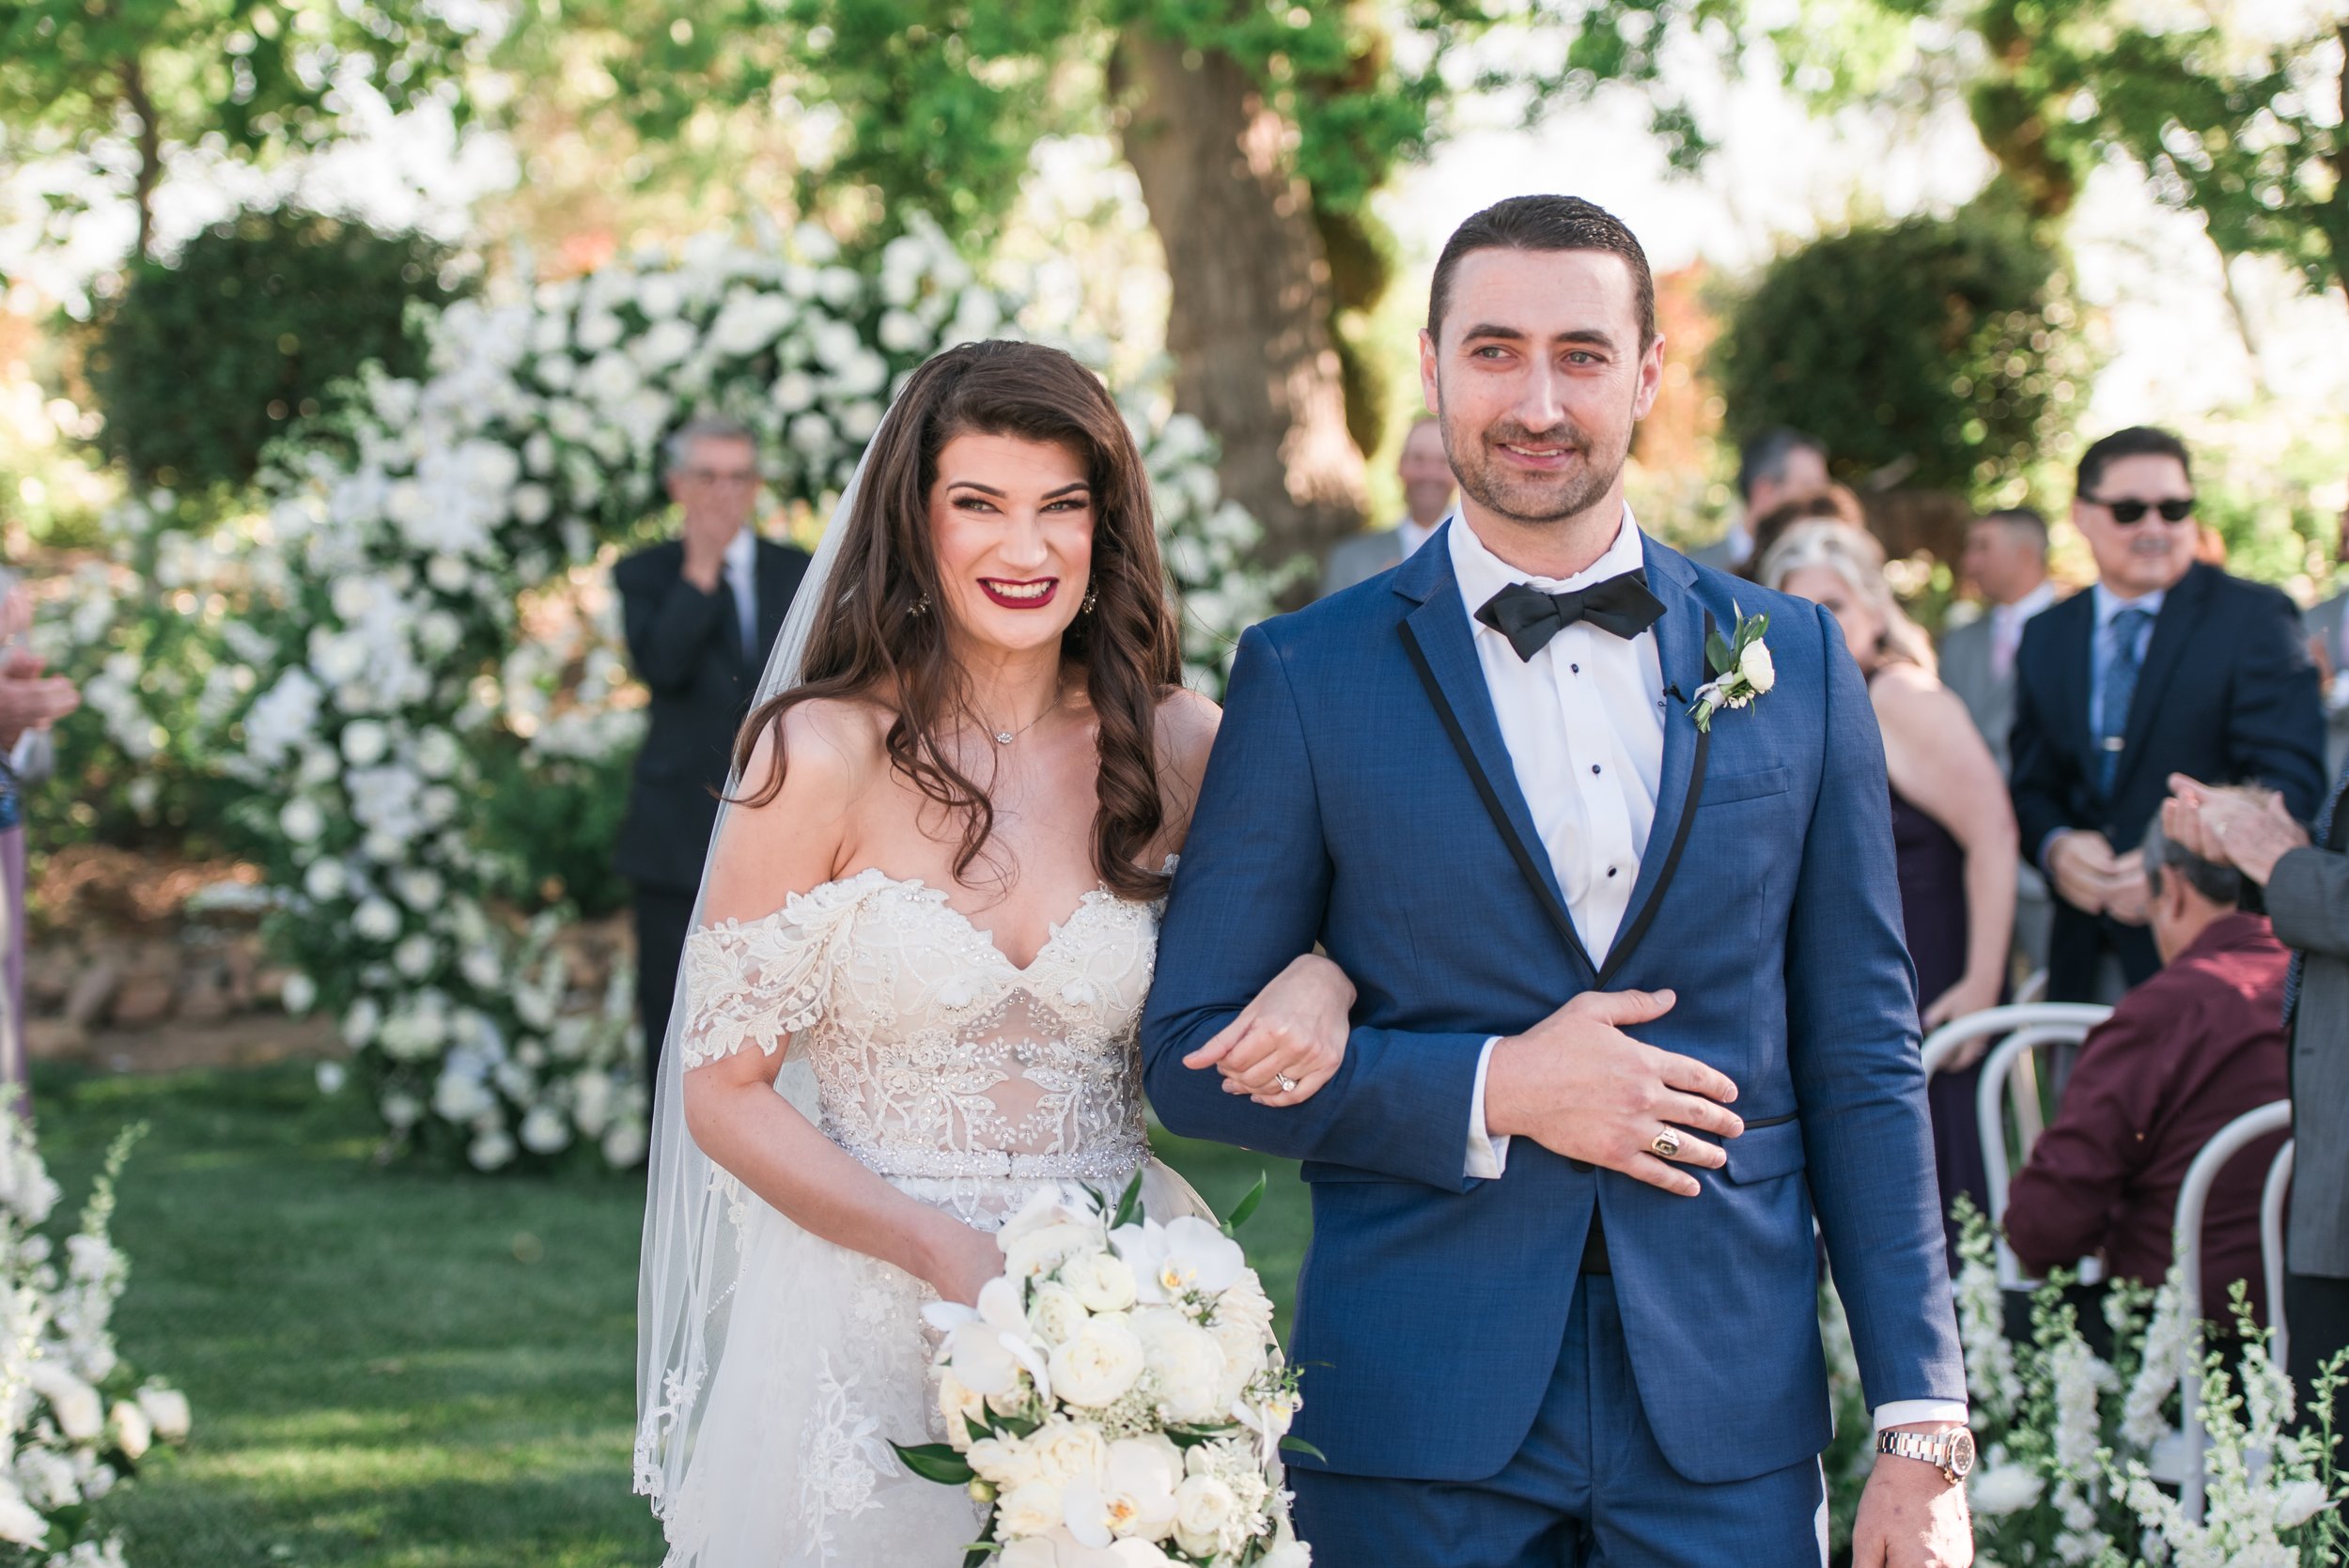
[[400, 1368]]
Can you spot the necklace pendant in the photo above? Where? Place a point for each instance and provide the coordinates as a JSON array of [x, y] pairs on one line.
[[1004, 737]]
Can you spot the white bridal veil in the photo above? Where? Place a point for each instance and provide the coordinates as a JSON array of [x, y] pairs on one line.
[[692, 1258]]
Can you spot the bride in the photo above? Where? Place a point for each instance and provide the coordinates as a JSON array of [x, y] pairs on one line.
[[926, 931]]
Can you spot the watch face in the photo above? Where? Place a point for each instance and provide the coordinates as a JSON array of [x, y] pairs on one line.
[[1961, 1453]]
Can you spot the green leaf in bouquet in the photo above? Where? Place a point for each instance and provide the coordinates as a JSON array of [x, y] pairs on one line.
[[1192, 1436], [937, 1462], [979, 1551], [1246, 1206], [978, 1426], [1720, 654], [1016, 1427], [1298, 1445], [1129, 1206], [1751, 632]]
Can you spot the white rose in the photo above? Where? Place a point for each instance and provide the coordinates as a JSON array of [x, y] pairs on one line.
[[1244, 1357], [1189, 1365], [1055, 1314], [1756, 666], [955, 1402], [301, 994], [1246, 1303], [377, 919], [134, 1434], [1101, 1282], [1099, 1363], [1067, 1450], [1039, 1252], [364, 743], [80, 1414], [1204, 1507], [1033, 1509], [301, 820], [1005, 1463]]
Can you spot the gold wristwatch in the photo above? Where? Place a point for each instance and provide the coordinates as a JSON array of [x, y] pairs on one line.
[[1952, 1452]]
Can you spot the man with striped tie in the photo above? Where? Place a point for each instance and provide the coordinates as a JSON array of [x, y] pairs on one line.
[[2305, 877], [2166, 666]]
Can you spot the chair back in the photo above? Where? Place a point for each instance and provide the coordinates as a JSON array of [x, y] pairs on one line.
[[2186, 1239]]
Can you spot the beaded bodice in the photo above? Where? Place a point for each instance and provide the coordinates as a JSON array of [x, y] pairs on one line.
[[934, 1055]]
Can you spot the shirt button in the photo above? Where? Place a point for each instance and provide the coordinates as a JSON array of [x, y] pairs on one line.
[[1595, 767], [1576, 668], [1610, 871]]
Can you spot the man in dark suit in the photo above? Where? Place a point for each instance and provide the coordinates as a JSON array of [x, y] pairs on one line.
[[702, 611], [2166, 666]]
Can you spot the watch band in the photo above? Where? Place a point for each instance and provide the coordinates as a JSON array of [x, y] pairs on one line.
[[1940, 1450]]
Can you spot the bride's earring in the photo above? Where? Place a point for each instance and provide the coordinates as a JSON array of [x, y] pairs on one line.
[[921, 606], [1093, 602]]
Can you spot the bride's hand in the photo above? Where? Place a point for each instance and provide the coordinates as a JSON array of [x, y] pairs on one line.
[[961, 1259], [1295, 1030]]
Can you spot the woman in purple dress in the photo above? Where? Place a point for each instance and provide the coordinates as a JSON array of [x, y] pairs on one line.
[[1952, 824]]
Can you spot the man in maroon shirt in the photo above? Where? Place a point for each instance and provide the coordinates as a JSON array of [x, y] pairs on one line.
[[2184, 1054]]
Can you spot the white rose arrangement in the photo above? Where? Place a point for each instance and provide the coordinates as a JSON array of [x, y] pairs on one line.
[[1116, 1398], [1741, 665]]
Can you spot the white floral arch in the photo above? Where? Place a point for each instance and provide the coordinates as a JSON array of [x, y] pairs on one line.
[[427, 589]]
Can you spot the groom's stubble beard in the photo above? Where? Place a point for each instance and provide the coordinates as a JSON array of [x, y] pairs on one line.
[[1528, 500]]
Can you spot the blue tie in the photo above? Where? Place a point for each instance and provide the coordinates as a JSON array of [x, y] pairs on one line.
[[2120, 687], [2322, 836]]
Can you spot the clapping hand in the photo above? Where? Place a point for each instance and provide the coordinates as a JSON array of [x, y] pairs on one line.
[[2247, 829]]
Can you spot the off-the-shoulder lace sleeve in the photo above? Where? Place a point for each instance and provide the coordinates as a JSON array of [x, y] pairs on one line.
[[754, 982]]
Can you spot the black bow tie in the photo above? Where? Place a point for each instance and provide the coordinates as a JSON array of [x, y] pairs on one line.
[[1529, 618]]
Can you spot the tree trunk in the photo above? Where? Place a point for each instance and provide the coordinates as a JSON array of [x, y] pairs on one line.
[[150, 150], [1248, 319]]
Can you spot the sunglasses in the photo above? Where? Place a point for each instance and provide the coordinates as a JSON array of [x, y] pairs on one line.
[[2127, 512]]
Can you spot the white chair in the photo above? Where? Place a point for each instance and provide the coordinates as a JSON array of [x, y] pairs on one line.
[[2186, 1238], [2272, 1200], [2007, 1076], [2034, 989]]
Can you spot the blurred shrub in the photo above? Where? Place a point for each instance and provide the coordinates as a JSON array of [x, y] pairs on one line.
[[198, 363], [1934, 354]]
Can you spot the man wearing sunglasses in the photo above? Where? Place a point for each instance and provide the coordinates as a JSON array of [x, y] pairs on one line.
[[702, 611], [2166, 666]]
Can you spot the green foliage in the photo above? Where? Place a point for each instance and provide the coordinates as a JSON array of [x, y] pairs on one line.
[[250, 80], [1936, 353], [201, 362]]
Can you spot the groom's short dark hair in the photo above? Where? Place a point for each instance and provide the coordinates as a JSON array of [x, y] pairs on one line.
[[1544, 224]]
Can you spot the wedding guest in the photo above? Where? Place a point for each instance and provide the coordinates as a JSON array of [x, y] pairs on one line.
[[2328, 649], [702, 611], [2305, 883], [2006, 561], [1773, 467], [2184, 1054], [1426, 475], [2167, 665], [30, 702], [1953, 835], [1833, 504]]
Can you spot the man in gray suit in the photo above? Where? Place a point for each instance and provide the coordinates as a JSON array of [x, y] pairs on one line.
[[2328, 649], [1426, 475], [1774, 467], [2307, 878], [2006, 560]]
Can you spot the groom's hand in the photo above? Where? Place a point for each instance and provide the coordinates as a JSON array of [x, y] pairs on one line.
[[1577, 1085], [1911, 1515]]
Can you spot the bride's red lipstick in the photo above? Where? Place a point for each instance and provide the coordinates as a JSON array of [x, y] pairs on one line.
[[1033, 593]]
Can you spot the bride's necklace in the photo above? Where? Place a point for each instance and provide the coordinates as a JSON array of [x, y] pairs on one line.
[[1004, 737]]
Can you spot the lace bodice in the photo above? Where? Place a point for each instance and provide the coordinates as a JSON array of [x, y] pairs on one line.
[[934, 1055]]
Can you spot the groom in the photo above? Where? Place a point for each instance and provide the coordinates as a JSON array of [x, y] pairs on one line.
[[1635, 1005]]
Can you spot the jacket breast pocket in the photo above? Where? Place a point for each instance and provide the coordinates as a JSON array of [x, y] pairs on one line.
[[1722, 789]]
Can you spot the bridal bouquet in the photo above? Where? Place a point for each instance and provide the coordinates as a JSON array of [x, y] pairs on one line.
[[1116, 1398]]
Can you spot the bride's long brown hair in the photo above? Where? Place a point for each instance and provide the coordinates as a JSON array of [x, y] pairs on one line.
[[870, 643]]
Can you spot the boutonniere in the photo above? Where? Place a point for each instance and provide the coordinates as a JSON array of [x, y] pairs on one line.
[[1742, 669]]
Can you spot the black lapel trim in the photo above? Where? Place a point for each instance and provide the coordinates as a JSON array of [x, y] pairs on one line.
[[1626, 941], [1559, 918]]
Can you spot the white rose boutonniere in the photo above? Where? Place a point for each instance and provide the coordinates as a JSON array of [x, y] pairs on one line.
[[1742, 669]]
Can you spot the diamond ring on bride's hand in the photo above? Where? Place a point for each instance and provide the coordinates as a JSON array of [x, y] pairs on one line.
[[1289, 1084]]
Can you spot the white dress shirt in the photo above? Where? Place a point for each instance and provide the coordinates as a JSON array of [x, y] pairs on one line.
[[742, 577], [2006, 626], [1583, 721]]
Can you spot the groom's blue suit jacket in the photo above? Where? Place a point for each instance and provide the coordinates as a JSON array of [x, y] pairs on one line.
[[1341, 806]]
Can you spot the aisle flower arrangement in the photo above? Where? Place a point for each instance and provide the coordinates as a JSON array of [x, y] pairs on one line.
[[1116, 1398], [76, 1419], [419, 623]]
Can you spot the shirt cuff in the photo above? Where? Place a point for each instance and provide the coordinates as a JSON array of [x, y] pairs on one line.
[[1488, 1156], [1916, 1412]]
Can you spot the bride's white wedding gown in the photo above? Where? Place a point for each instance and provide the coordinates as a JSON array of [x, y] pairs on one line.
[[965, 1082]]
